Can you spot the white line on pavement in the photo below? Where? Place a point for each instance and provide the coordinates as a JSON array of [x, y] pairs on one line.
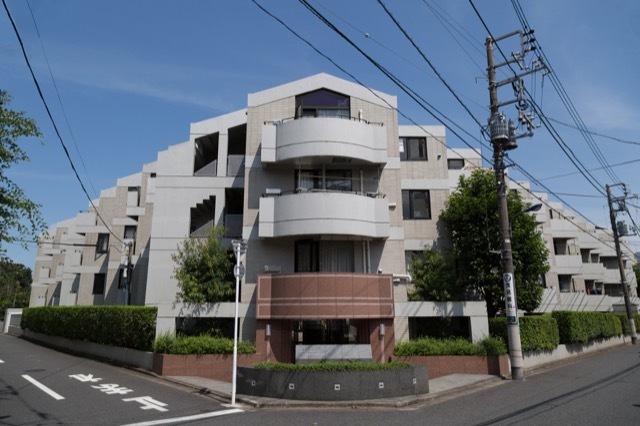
[[1, 361], [188, 418], [43, 387]]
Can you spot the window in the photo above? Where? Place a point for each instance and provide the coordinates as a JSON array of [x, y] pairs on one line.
[[455, 163], [334, 180], [322, 103], [102, 246], [338, 180], [564, 282], [324, 256], [416, 205], [98, 283], [308, 179], [413, 149]]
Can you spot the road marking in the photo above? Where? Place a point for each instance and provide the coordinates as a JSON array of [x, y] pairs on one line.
[[43, 387], [188, 418], [1, 361]]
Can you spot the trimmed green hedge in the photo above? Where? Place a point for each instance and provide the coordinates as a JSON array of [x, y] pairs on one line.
[[581, 327], [537, 333], [625, 322], [332, 366], [131, 327], [198, 345], [429, 346]]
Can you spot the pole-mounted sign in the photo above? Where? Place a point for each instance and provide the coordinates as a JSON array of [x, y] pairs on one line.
[[510, 299]]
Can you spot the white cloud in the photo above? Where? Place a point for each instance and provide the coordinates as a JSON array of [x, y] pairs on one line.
[[111, 70], [603, 108]]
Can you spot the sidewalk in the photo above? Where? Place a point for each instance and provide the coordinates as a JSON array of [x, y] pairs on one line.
[[439, 387]]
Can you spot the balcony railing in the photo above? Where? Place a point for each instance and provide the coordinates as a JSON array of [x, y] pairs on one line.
[[324, 212], [324, 137]]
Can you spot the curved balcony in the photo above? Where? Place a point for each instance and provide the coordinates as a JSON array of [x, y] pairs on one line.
[[309, 213], [324, 137]]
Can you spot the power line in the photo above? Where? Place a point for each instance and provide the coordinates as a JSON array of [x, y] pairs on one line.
[[564, 147], [613, 138], [55, 127], [564, 97], [592, 170], [399, 83], [55, 86], [433, 68]]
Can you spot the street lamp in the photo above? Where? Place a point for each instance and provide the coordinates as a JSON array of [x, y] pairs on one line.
[[240, 249]]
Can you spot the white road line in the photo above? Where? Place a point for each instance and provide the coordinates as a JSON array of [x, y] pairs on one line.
[[1, 361], [43, 387], [188, 418]]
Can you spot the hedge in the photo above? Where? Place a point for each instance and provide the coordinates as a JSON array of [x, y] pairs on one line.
[[131, 327], [429, 346], [203, 344], [537, 333], [581, 327], [625, 322]]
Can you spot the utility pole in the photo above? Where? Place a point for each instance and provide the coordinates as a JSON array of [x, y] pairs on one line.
[[616, 238], [503, 138]]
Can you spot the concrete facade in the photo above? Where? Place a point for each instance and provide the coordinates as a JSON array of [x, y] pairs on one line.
[[332, 195]]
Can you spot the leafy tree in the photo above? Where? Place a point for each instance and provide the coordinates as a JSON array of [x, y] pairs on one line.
[[19, 216], [432, 275], [204, 269], [15, 285], [471, 217]]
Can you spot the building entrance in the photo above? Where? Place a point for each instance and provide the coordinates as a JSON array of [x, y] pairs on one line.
[[326, 332]]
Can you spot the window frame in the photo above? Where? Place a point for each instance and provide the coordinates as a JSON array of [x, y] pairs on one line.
[[102, 243], [409, 201], [407, 149], [451, 161]]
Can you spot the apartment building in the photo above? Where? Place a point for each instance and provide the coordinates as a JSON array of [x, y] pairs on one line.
[[99, 257], [332, 196], [582, 257]]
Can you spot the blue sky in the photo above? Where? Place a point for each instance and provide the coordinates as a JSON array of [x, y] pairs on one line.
[[132, 75]]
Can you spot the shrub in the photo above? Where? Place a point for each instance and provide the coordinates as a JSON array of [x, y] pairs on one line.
[[332, 366], [537, 333], [625, 322], [428, 346], [581, 327], [131, 327], [199, 345]]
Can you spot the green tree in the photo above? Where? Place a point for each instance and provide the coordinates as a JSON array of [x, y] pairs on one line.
[[19, 216], [471, 217], [15, 285], [432, 276], [204, 269]]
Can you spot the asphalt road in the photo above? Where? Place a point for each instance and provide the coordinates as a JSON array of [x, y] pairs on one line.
[[596, 390], [42, 386], [602, 389]]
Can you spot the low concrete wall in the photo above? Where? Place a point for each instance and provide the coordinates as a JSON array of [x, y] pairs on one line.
[[217, 367], [535, 359], [127, 356], [333, 386], [439, 366]]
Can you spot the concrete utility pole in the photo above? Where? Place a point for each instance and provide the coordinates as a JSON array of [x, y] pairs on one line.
[[623, 277], [503, 138]]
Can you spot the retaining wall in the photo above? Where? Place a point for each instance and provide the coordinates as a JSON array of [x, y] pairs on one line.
[[334, 385]]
